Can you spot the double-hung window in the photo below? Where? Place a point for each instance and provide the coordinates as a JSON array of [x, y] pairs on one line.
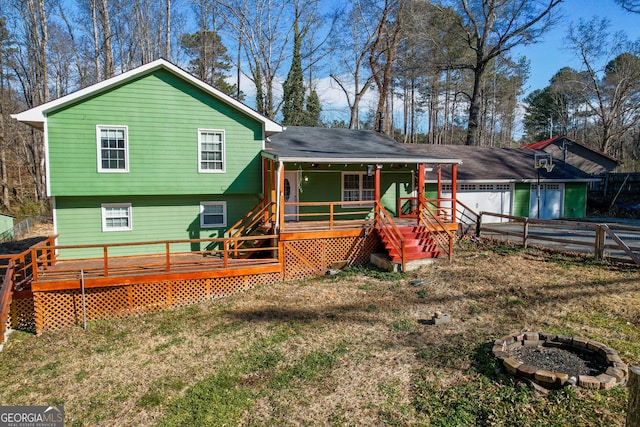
[[357, 187], [213, 214], [116, 217], [210, 151], [113, 149]]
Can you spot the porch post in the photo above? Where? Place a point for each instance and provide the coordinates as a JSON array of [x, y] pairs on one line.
[[265, 179], [376, 191], [439, 187], [265, 188], [376, 178], [454, 194], [280, 195], [273, 196], [421, 179]]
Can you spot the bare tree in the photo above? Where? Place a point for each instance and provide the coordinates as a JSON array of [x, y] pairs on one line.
[[492, 28], [351, 48], [382, 57], [263, 30], [612, 64], [630, 5]]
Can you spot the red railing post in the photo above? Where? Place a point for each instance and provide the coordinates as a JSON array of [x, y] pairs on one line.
[[34, 264], [105, 258], [331, 216], [167, 252], [225, 253]]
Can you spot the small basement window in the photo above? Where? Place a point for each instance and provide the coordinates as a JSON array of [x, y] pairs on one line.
[[116, 217], [213, 214]]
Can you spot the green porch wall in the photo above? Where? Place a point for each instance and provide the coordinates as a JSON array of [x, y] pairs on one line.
[[521, 197], [79, 222], [163, 114], [326, 186], [575, 200]]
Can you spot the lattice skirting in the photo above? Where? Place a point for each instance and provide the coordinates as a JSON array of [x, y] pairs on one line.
[[22, 314], [58, 309], [308, 258]]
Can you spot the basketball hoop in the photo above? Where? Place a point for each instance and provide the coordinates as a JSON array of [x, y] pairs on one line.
[[543, 161]]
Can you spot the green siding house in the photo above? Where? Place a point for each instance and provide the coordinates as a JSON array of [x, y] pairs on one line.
[[151, 154]]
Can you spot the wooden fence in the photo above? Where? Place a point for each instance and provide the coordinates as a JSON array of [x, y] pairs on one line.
[[616, 242]]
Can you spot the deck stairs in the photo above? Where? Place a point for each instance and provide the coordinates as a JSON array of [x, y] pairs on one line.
[[419, 243], [256, 223]]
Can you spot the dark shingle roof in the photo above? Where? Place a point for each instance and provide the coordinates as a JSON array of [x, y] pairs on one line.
[[509, 164], [324, 145]]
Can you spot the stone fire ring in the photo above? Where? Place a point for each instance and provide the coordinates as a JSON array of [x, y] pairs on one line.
[[616, 372]]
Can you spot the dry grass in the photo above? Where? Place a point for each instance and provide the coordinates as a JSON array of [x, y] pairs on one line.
[[351, 349]]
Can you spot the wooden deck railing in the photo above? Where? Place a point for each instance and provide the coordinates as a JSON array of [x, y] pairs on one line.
[[409, 207], [164, 260], [438, 230], [331, 213], [384, 222], [587, 234], [5, 299], [261, 215]]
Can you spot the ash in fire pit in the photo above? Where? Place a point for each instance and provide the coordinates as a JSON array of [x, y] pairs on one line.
[[553, 361]]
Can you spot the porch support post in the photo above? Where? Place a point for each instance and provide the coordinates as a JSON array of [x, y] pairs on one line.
[[265, 188], [439, 187], [273, 196], [376, 178], [421, 179], [454, 194], [265, 179], [280, 208], [376, 191]]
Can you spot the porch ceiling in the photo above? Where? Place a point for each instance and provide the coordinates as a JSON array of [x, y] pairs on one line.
[[348, 146]]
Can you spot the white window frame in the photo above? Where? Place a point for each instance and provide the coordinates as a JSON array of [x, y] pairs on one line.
[[106, 206], [224, 146], [99, 129], [367, 202], [203, 224]]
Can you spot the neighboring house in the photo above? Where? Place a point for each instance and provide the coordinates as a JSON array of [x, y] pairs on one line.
[[585, 158], [151, 154], [503, 180]]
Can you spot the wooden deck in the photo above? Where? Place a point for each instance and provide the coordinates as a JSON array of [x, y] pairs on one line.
[[67, 274]]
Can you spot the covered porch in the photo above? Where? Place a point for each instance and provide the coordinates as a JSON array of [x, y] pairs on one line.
[[322, 183]]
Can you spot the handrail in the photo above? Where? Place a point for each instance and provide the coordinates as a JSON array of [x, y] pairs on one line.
[[331, 215], [6, 291], [383, 221], [438, 229], [225, 253], [250, 218]]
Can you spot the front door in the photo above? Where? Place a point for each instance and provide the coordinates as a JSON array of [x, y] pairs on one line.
[[290, 195]]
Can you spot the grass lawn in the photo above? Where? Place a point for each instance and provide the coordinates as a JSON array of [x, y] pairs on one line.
[[351, 349]]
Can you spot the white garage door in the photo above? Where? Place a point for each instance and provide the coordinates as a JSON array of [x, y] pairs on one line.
[[548, 201], [483, 198]]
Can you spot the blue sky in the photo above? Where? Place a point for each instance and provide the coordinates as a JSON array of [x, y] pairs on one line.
[[548, 56]]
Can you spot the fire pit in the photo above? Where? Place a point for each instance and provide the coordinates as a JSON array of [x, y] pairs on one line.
[[553, 361]]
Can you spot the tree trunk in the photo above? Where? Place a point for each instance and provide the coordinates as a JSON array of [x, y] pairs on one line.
[[109, 68], [168, 31], [474, 107]]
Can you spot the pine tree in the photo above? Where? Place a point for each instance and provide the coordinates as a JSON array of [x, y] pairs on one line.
[[293, 108]]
